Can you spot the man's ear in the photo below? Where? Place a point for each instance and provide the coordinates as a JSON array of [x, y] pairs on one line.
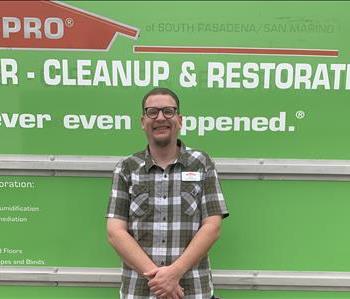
[[180, 120], [142, 126]]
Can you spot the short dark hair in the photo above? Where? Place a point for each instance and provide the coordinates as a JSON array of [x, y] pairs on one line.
[[161, 90]]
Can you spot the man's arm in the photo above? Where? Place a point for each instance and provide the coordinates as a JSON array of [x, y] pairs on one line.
[[126, 246], [131, 253], [167, 277], [200, 244]]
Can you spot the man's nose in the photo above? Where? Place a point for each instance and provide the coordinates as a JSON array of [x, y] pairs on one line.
[[160, 115]]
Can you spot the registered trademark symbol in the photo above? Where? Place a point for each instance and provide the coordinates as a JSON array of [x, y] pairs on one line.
[[300, 114], [69, 22]]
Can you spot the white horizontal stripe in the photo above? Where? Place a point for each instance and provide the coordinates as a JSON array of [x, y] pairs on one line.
[[156, 251], [135, 177], [160, 226], [228, 168], [223, 279], [175, 251], [160, 201], [177, 200], [175, 226]]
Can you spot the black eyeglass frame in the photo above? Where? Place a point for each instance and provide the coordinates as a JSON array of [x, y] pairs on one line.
[[160, 109]]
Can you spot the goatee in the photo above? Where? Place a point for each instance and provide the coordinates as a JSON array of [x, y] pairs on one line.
[[162, 142]]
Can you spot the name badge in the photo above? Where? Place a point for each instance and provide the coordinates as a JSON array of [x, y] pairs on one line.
[[191, 176]]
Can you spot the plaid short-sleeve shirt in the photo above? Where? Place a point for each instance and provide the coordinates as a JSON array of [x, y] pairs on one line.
[[164, 209]]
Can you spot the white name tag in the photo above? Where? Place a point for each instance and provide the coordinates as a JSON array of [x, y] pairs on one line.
[[191, 176]]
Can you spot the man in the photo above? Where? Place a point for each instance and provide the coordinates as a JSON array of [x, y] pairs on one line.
[[165, 210]]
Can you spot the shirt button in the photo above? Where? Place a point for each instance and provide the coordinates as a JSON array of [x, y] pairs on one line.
[[162, 263], [165, 176], [163, 241], [164, 196], [164, 218]]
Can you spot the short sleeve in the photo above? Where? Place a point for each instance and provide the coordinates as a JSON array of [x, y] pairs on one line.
[[118, 206], [213, 202]]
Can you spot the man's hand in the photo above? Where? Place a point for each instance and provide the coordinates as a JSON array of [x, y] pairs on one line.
[[164, 283]]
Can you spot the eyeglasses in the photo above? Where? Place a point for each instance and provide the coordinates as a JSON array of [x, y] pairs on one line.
[[153, 112]]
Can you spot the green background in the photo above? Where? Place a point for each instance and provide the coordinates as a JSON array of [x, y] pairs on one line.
[[268, 228], [9, 292], [108, 293], [321, 134], [274, 225]]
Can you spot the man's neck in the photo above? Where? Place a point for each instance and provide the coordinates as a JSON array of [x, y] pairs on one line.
[[163, 156]]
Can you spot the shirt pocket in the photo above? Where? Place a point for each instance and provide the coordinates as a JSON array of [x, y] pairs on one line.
[[139, 205], [190, 195]]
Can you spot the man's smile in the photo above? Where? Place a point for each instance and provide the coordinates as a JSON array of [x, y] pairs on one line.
[[161, 127]]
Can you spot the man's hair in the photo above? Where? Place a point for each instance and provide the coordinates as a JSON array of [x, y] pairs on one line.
[[161, 90]]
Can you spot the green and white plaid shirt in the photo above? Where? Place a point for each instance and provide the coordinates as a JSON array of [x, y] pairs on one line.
[[164, 209]]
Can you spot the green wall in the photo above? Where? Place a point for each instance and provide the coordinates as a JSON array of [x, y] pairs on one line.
[[321, 132], [268, 229], [10, 292], [274, 225]]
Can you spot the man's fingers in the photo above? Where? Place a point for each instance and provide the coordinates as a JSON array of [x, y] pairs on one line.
[[160, 294], [151, 273], [180, 292], [158, 290], [151, 283], [177, 294]]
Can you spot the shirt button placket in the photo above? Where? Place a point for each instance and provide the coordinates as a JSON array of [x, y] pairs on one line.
[[165, 186]]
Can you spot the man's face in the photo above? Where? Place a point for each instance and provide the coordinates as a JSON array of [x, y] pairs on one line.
[[161, 131]]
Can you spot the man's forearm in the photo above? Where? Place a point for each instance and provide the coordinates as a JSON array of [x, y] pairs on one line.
[[129, 250], [195, 251], [132, 254], [199, 246]]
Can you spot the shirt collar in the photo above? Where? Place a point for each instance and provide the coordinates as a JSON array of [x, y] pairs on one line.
[[182, 159]]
